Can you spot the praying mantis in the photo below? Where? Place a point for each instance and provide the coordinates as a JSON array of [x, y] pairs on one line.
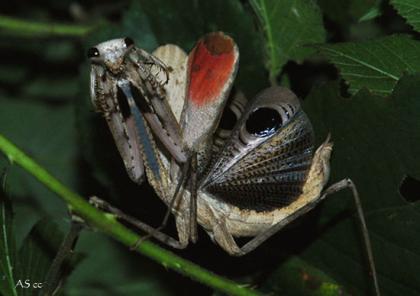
[[246, 180]]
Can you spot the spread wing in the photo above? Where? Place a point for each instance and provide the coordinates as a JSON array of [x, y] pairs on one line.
[[265, 162]]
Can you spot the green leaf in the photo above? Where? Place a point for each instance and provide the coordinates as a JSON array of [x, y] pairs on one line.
[[376, 143], [8, 260], [371, 14], [363, 10], [12, 73], [189, 20], [59, 51], [34, 257], [48, 88], [297, 277], [48, 133], [37, 253], [121, 272], [410, 10], [376, 65], [134, 19], [134, 24], [289, 26], [346, 11]]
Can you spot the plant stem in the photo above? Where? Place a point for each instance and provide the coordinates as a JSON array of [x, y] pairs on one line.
[[110, 226], [32, 27], [63, 256]]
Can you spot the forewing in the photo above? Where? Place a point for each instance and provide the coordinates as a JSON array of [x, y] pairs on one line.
[[211, 70], [265, 162], [175, 59]]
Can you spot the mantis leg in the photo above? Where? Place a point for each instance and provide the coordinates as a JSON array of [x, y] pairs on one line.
[[180, 243], [227, 242], [189, 169]]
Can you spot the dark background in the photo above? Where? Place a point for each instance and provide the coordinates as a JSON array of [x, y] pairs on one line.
[[45, 109]]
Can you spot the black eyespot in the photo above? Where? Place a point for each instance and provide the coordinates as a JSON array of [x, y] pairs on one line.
[[128, 41], [92, 52], [263, 122]]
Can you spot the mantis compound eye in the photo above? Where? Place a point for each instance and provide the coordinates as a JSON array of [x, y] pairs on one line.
[[128, 41], [92, 52], [263, 122]]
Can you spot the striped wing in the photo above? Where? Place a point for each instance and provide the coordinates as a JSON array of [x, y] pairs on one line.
[[265, 162]]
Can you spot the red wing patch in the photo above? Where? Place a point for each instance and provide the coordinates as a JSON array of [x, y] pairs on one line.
[[210, 65]]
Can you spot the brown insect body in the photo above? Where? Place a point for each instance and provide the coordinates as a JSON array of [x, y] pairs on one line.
[[251, 181], [222, 210], [262, 174]]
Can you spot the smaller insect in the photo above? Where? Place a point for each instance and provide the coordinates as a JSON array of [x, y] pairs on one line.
[[249, 180]]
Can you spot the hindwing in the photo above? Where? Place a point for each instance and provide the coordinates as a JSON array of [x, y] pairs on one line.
[[265, 162]]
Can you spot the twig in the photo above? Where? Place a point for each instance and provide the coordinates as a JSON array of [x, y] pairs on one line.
[[118, 231], [32, 27], [54, 274]]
